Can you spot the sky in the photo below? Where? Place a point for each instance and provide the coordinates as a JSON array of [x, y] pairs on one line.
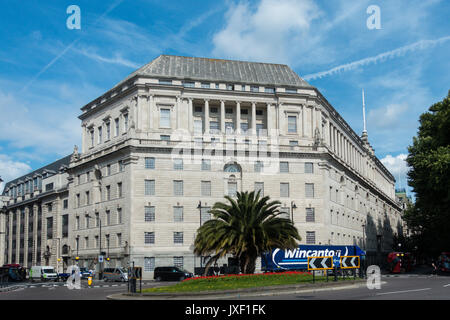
[[398, 53]]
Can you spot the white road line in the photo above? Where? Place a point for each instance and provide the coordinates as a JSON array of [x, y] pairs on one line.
[[447, 285], [394, 292]]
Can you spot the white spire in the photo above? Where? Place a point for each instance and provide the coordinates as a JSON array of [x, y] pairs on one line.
[[364, 112]]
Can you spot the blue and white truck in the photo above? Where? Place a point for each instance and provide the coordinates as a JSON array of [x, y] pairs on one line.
[[297, 259]]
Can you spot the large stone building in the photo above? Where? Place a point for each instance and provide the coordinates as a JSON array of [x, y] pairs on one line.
[[170, 140], [36, 218]]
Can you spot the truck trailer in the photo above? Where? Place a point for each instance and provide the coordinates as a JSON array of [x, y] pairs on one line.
[[297, 259]]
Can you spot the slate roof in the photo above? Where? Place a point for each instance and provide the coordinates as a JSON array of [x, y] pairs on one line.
[[54, 166], [206, 69]]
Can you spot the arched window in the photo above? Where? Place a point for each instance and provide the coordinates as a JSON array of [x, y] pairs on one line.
[[232, 167]]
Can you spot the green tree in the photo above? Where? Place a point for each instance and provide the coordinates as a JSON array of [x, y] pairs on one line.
[[429, 177], [245, 228]]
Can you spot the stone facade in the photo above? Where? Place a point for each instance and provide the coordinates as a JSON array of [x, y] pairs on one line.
[[174, 137]]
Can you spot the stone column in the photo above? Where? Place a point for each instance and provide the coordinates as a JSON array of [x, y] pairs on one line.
[[150, 110], [206, 113], [178, 112], [303, 120], [238, 117], [222, 116], [83, 138], [253, 118], [313, 120], [268, 119], [191, 116]]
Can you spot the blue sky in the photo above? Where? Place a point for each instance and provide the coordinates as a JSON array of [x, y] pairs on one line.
[[48, 72]]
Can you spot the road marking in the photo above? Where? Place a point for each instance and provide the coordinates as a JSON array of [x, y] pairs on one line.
[[394, 292], [447, 285]]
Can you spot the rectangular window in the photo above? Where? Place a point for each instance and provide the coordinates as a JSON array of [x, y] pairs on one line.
[[178, 262], [149, 187], [78, 200], [77, 223], [232, 189], [198, 126], [206, 188], [309, 190], [108, 217], [165, 81], [119, 189], [259, 186], [88, 198], [260, 129], [178, 164], [149, 237], [50, 228], [120, 163], [206, 85], [284, 190], [164, 137], [254, 89], [119, 215], [284, 167], [178, 187], [310, 216], [149, 163], [91, 134], [65, 226], [213, 110], [244, 127], [119, 239], [108, 193], [293, 143], [49, 186], [149, 213], [205, 214], [108, 130], [100, 133], [206, 165], [310, 237], [177, 214], [86, 242], [214, 127], [189, 84], [269, 90], [229, 110], [259, 166], [86, 221], [125, 122], [65, 204], [292, 124], [178, 237], [108, 170], [164, 118], [229, 127], [149, 264], [117, 126], [309, 167], [291, 90], [244, 111]]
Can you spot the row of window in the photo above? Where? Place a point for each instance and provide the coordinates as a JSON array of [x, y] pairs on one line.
[[228, 86], [107, 195], [97, 241], [110, 129], [108, 219], [149, 163], [178, 188], [149, 263]]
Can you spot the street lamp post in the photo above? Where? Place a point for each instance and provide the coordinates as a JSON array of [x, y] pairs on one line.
[[58, 254], [100, 244], [364, 237], [199, 207], [293, 206]]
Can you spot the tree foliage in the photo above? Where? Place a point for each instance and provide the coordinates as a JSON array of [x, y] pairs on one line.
[[245, 227], [429, 177]]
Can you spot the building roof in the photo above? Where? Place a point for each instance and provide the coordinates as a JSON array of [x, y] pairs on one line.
[[206, 69], [54, 166]]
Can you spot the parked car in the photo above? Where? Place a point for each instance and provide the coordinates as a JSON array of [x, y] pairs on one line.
[[63, 276], [115, 274], [171, 273], [43, 273], [84, 273]]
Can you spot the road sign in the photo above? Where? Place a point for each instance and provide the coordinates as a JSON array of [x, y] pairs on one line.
[[349, 262], [320, 263], [136, 273], [100, 259]]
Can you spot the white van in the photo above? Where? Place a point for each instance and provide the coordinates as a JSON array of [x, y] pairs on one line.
[[43, 273]]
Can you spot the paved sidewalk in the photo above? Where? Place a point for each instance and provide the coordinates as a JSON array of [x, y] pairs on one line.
[[230, 294]]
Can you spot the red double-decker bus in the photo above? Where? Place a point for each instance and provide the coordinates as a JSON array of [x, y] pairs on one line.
[[444, 262], [400, 262]]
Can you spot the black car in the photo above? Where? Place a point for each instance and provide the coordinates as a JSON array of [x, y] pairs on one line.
[[171, 273]]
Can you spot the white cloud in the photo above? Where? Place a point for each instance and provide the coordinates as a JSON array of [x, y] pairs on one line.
[[10, 169], [397, 166], [271, 32], [387, 116], [419, 45]]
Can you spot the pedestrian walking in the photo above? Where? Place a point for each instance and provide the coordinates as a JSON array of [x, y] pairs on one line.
[[434, 271]]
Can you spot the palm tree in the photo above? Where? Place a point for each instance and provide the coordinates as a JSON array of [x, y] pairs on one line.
[[246, 227]]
